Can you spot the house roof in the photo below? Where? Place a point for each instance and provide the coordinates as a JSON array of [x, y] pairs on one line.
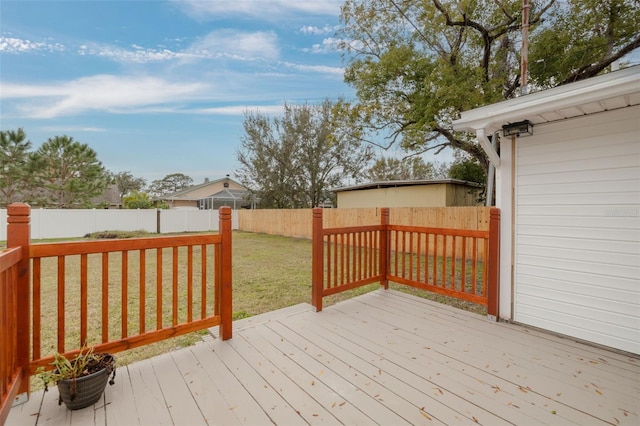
[[400, 183], [183, 194], [228, 195], [618, 89], [111, 196]]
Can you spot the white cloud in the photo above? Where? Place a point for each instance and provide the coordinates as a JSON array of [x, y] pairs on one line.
[[236, 44], [313, 30], [16, 45], [323, 69], [100, 93], [236, 110], [328, 45], [271, 10], [138, 54]]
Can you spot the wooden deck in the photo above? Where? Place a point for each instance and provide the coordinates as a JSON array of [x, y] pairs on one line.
[[381, 358]]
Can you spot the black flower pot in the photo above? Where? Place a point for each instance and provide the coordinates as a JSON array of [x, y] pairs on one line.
[[86, 390]]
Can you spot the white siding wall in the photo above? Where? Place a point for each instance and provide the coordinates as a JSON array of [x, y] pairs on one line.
[[577, 267]]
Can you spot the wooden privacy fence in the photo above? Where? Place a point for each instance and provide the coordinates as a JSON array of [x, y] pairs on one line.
[[460, 263], [295, 222], [112, 295]]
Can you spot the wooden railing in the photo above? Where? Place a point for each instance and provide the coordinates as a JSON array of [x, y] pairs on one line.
[[111, 295], [10, 369], [455, 262]]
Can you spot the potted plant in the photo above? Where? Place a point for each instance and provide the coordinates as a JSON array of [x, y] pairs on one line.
[[82, 379]]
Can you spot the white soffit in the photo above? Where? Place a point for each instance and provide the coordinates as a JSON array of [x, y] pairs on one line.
[[607, 92]]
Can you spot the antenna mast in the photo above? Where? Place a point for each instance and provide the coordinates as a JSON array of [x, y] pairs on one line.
[[524, 55]]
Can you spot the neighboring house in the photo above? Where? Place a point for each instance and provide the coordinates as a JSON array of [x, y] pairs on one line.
[[410, 193], [211, 195], [569, 196], [110, 199]]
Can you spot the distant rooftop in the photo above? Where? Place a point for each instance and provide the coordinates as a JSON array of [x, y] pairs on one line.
[[400, 183]]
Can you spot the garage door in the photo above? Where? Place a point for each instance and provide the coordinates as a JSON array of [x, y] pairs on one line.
[[577, 259]]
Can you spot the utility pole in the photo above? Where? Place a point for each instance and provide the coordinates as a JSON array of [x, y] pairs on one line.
[[525, 48]]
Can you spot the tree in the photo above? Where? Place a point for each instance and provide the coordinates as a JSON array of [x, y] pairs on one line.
[[408, 168], [169, 184], [416, 64], [15, 174], [466, 168], [67, 173], [293, 161], [583, 38], [137, 200], [127, 184]]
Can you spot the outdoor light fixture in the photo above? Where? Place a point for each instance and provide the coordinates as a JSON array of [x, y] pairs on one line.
[[516, 129]]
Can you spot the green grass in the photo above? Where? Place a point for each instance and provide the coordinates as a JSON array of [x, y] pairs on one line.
[[269, 273]]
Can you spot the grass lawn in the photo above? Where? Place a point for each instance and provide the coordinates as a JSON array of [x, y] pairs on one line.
[[269, 272]]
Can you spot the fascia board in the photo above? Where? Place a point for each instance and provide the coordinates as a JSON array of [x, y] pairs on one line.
[[492, 117]]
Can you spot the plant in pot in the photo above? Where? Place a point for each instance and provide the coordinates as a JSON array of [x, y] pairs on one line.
[[82, 379]]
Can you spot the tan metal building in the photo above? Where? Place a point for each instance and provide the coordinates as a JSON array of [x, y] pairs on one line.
[[410, 193]]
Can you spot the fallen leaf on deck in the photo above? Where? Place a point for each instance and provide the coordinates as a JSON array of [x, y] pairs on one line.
[[426, 416]]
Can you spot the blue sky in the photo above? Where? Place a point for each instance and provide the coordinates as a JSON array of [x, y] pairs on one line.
[[157, 87]]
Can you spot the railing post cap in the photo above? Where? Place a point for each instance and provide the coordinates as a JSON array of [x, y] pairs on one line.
[[18, 209]]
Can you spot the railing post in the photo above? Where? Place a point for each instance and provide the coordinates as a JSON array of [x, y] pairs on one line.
[[317, 259], [226, 307], [384, 247], [19, 235], [492, 260]]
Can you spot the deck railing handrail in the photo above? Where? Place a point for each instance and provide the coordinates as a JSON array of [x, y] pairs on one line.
[[460, 263], [10, 370], [21, 293]]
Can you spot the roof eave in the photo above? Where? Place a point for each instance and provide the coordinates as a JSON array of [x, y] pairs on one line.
[[493, 117]]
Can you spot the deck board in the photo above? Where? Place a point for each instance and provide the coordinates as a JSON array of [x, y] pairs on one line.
[[476, 380], [573, 391], [205, 393], [381, 358], [122, 392]]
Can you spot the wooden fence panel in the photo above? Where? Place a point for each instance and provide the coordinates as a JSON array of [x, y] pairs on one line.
[[296, 222]]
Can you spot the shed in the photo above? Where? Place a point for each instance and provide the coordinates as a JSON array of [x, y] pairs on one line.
[[410, 193], [569, 196]]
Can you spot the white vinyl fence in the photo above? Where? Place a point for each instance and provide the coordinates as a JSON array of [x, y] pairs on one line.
[[71, 223]]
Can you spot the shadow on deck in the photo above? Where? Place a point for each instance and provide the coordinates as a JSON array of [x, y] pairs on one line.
[[381, 358]]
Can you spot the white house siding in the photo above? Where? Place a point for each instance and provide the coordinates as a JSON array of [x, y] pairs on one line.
[[577, 241]]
